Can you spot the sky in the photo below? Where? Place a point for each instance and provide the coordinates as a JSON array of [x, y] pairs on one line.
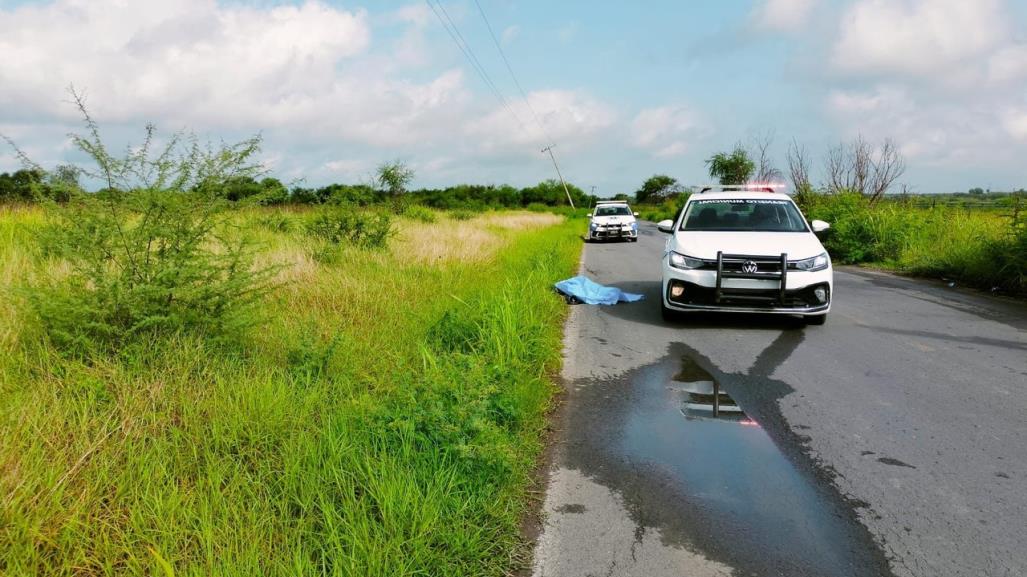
[[623, 90]]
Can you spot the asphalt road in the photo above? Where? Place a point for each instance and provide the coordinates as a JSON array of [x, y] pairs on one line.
[[892, 440]]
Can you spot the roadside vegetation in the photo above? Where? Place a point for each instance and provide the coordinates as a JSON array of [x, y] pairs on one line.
[[195, 385], [978, 238]]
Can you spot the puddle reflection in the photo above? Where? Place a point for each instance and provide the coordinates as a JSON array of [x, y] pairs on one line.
[[687, 425], [704, 397]]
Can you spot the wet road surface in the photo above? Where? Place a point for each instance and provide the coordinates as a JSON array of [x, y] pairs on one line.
[[890, 441]]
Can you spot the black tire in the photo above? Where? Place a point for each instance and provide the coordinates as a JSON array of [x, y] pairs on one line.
[[816, 320]]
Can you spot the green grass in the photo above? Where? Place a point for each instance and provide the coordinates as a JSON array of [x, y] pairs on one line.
[[982, 248], [383, 420]]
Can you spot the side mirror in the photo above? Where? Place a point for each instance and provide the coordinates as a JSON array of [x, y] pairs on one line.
[[634, 214], [589, 215], [666, 226], [819, 226]]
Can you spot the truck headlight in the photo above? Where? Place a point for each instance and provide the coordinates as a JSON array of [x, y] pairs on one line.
[[685, 262], [816, 263]]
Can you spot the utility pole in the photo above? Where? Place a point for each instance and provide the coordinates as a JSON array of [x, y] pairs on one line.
[[549, 149]]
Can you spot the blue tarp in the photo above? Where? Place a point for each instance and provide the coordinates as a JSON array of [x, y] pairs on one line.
[[593, 293]]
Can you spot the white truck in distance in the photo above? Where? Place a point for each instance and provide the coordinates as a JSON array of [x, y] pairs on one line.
[[612, 219], [745, 249]]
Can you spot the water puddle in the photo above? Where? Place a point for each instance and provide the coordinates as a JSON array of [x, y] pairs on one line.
[[746, 502], [706, 399]]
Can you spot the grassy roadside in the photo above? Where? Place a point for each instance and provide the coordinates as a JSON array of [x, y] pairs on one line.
[[982, 248], [383, 420]]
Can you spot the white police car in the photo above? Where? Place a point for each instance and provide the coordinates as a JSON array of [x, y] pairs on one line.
[[612, 219], [745, 249]]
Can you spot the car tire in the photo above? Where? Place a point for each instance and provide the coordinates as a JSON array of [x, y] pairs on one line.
[[816, 320], [669, 315]]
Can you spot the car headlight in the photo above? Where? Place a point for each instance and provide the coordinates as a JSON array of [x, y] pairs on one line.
[[593, 225], [685, 262], [816, 263]]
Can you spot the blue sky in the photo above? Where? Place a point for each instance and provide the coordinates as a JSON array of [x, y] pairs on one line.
[[625, 90]]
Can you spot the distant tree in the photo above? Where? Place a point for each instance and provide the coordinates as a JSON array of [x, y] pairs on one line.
[[65, 174], [240, 188], [859, 167], [273, 192], [764, 166], [657, 188], [24, 185], [733, 168], [799, 164], [976, 190], [393, 177], [550, 192], [621, 196]]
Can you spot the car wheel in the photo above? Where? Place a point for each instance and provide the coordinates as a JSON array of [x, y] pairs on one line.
[[816, 320], [669, 315]]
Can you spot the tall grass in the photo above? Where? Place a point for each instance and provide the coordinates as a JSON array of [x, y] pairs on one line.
[[382, 420], [983, 248]]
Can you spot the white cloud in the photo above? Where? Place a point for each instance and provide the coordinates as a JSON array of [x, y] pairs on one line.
[[666, 131], [1014, 121], [930, 132], [417, 14], [919, 37], [1008, 64], [510, 33], [203, 60], [329, 100], [782, 15], [349, 167], [939, 76], [304, 69], [569, 117]]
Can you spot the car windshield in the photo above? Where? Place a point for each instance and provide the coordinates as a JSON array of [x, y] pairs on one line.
[[749, 214], [621, 210]]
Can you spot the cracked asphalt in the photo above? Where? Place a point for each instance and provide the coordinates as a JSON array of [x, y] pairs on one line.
[[892, 440]]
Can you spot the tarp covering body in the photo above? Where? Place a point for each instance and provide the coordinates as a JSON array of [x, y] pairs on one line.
[[589, 292]]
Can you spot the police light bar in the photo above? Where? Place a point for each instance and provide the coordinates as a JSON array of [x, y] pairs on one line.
[[751, 186]]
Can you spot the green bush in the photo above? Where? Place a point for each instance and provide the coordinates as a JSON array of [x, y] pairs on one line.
[[146, 263], [977, 247], [276, 222], [154, 252], [340, 225], [665, 211], [419, 213], [461, 214]]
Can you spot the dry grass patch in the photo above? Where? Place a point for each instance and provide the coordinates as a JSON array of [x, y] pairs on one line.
[[447, 241], [522, 220], [471, 241]]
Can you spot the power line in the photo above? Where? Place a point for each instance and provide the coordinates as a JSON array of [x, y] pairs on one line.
[[549, 149], [465, 47], [509, 69]]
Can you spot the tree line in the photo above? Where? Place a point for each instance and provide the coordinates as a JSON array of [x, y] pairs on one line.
[[857, 166], [30, 185]]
